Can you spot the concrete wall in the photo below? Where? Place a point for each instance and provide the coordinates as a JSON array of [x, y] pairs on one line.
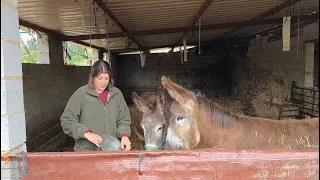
[[264, 77], [269, 56], [316, 64], [289, 65], [47, 88], [202, 72]]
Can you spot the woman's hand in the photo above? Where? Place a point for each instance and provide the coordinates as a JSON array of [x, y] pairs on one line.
[[94, 138], [125, 143]]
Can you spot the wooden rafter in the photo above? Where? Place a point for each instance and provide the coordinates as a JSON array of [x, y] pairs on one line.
[[188, 29]]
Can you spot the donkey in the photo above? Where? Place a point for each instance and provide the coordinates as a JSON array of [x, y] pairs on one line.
[[153, 122], [222, 129], [150, 101], [158, 115]]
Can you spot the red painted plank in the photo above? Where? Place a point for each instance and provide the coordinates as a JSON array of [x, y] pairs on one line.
[[195, 164]]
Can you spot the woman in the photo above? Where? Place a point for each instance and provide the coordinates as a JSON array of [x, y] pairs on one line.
[[96, 109]]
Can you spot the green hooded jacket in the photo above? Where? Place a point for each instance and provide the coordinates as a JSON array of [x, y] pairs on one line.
[[85, 111]]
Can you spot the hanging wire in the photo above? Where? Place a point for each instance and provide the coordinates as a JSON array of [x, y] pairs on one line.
[[82, 20], [26, 48], [90, 22], [199, 18], [85, 50], [95, 15], [108, 42], [298, 38]]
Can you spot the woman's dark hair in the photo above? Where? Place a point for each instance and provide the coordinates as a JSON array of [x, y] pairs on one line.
[[99, 67]]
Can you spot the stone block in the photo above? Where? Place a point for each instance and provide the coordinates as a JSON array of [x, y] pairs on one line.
[[35, 143], [33, 132], [25, 69], [46, 113], [29, 107], [13, 130], [11, 96], [9, 21], [31, 96], [10, 59], [33, 118], [53, 132]]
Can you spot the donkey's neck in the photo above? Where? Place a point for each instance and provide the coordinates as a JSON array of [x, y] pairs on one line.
[[214, 123], [214, 112]]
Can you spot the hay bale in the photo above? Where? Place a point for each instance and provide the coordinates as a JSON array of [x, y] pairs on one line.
[[136, 115], [231, 105], [268, 103]]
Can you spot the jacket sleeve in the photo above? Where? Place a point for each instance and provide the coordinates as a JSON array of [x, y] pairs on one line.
[[71, 116], [124, 119]]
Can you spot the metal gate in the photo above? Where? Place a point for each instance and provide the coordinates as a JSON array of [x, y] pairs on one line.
[[305, 99]]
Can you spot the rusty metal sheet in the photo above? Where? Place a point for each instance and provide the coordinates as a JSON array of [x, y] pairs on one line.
[[195, 164]]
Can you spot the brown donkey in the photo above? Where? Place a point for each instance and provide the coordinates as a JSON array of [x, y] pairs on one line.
[[222, 129]]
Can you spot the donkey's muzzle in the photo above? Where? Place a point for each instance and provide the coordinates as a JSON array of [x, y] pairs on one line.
[[151, 147]]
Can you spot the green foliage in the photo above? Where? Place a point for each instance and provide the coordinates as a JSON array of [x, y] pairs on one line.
[[29, 52], [78, 55]]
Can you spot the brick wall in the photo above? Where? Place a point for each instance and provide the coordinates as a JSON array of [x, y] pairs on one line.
[[47, 88]]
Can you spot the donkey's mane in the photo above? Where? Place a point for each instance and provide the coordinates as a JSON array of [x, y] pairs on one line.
[[216, 112]]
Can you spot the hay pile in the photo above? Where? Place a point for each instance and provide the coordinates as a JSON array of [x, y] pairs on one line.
[[269, 101], [264, 92], [136, 115], [231, 105]]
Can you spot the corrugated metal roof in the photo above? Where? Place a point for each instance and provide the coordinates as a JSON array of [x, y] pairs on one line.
[[205, 35], [302, 7], [222, 11], [250, 30], [115, 43], [66, 15], [154, 14], [163, 39]]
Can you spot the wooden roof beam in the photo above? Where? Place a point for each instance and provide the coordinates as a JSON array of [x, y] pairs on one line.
[[202, 9], [188, 29], [56, 34], [205, 43], [263, 15], [276, 28], [106, 10]]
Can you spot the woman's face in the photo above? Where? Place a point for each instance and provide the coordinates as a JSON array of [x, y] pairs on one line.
[[101, 82]]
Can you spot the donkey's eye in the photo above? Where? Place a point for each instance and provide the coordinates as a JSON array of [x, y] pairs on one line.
[[179, 118], [159, 128]]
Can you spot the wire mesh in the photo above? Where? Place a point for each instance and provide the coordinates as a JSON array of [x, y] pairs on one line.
[[13, 166]]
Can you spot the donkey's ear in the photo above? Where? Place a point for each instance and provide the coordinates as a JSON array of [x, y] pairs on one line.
[[140, 103], [179, 94], [162, 96], [161, 100]]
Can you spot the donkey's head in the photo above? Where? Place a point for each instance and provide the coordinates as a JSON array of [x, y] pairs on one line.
[[183, 132], [153, 123]]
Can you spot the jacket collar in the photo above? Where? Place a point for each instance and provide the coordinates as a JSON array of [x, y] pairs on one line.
[[111, 90]]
